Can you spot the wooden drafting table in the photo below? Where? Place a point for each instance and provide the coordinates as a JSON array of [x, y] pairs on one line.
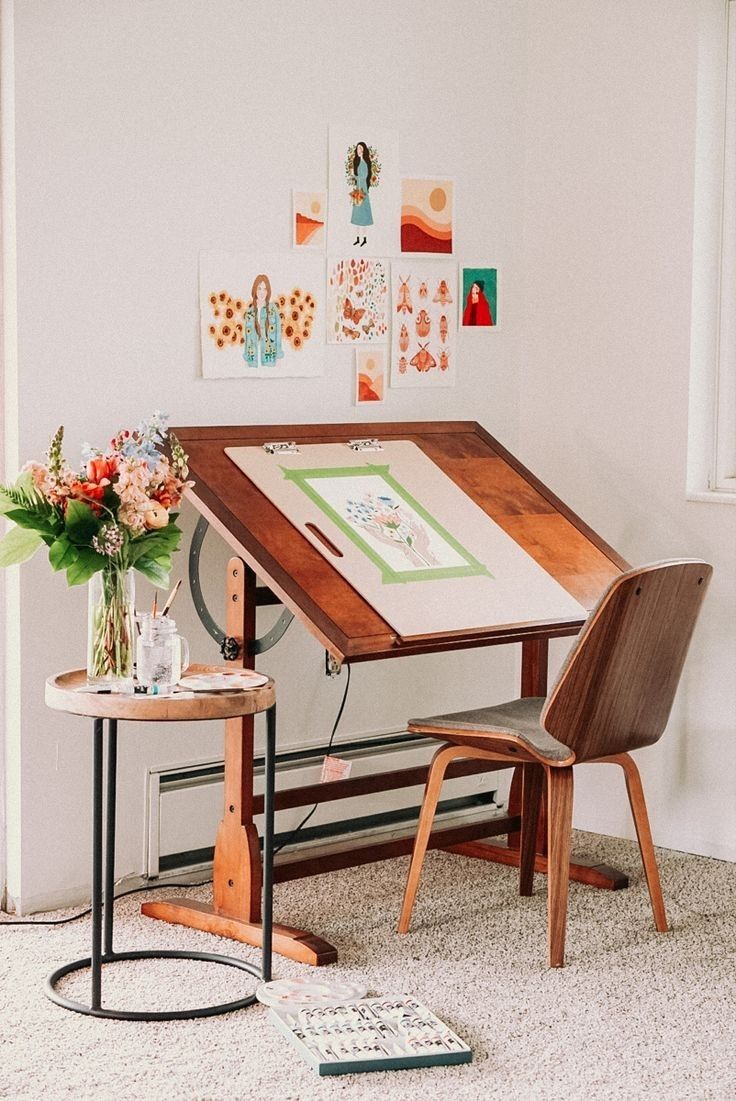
[[296, 572]]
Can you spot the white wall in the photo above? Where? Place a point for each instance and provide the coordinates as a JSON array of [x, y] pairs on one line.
[[146, 132], [608, 262]]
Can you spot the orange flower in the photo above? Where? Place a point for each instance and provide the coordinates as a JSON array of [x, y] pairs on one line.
[[87, 489], [100, 470], [87, 492]]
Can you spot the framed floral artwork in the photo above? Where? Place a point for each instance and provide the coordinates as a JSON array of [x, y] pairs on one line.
[[357, 301], [364, 191], [261, 316]]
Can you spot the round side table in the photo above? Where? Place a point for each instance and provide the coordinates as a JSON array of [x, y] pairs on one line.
[[65, 692]]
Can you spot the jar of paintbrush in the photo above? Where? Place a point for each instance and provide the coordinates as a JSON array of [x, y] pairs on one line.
[[162, 654]]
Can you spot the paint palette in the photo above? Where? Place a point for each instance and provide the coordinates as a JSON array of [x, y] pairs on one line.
[[223, 682], [289, 993]]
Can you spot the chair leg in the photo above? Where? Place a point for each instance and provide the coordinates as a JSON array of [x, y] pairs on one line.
[[644, 835], [559, 829], [532, 786], [435, 776]]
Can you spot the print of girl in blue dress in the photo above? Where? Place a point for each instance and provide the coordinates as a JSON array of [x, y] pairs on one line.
[[262, 326], [363, 176]]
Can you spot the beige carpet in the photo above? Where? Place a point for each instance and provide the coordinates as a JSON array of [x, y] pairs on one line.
[[633, 1014]]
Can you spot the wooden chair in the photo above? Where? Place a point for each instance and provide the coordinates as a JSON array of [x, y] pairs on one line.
[[613, 694]]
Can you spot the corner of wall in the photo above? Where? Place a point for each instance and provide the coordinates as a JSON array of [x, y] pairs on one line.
[[10, 696]]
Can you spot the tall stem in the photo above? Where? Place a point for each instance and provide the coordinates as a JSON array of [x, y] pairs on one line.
[[111, 642]]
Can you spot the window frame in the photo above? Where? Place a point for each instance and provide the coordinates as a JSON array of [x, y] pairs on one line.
[[711, 460]]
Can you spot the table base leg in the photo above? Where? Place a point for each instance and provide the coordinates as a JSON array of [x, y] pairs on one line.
[[295, 944]]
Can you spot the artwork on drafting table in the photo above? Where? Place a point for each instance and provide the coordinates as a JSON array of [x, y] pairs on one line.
[[479, 302], [426, 215], [396, 516], [357, 301], [262, 316], [388, 525], [364, 191], [309, 215], [424, 323]]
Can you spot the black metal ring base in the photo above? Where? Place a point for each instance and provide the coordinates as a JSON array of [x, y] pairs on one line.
[[164, 1015]]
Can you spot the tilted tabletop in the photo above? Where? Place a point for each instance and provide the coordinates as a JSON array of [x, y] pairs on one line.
[[65, 692]]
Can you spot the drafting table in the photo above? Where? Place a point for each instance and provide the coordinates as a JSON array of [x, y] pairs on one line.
[[298, 569]]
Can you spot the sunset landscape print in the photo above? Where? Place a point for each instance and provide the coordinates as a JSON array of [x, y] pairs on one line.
[[309, 211], [426, 216]]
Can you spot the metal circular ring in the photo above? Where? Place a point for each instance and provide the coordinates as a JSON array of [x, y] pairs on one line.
[[151, 1015]]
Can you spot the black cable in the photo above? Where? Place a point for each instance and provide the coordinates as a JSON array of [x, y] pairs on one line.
[[306, 818], [123, 894]]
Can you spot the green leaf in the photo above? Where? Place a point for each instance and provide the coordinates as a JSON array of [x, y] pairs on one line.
[[62, 553], [138, 548], [157, 570], [154, 544], [18, 545], [167, 538], [86, 563], [25, 519], [24, 495], [6, 502], [80, 523], [24, 482]]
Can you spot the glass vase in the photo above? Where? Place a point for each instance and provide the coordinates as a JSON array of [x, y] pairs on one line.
[[110, 628]]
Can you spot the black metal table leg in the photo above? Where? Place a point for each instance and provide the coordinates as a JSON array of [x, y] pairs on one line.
[[108, 897], [268, 809], [96, 958]]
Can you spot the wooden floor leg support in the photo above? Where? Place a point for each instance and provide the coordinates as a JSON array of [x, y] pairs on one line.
[[236, 904], [534, 654]]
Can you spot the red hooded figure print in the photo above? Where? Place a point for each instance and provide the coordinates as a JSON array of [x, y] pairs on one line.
[[477, 308]]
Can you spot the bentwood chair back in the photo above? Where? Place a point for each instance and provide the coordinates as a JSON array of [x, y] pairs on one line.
[[613, 694], [616, 689]]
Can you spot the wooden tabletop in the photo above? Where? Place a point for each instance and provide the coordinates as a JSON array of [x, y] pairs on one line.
[[64, 692], [558, 540]]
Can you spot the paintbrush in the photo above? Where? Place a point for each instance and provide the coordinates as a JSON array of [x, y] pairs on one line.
[[154, 608], [170, 598]]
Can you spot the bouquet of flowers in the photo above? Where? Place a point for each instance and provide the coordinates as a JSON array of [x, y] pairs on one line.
[[357, 196], [113, 515]]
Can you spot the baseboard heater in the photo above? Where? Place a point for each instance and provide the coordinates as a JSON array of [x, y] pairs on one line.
[[185, 804]]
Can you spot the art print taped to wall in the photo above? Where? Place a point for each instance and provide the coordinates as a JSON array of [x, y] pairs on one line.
[[309, 219], [357, 301], [370, 376], [424, 323], [364, 191], [386, 523], [427, 215], [479, 303], [261, 317]]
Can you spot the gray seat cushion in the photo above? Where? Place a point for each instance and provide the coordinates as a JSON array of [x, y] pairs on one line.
[[518, 717]]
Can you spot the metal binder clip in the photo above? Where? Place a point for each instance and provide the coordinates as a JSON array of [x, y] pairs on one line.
[[283, 448], [364, 445]]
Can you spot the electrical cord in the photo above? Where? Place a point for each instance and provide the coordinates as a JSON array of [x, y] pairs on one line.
[[123, 894], [290, 837]]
